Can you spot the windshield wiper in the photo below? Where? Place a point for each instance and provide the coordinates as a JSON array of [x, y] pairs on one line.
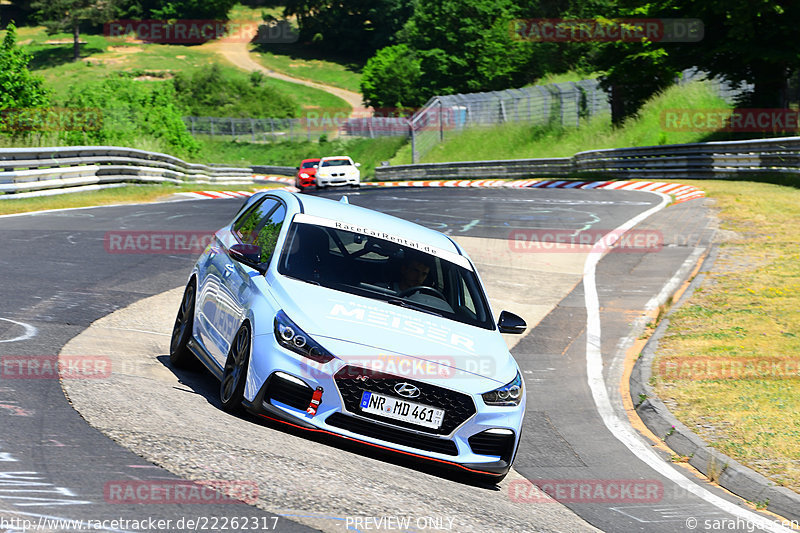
[[409, 305]]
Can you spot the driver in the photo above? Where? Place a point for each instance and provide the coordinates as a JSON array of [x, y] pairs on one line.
[[413, 271]]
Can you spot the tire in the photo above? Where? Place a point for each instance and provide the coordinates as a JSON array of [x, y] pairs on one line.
[[179, 353], [231, 388]]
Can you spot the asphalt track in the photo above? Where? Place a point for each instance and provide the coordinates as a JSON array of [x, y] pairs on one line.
[[59, 279]]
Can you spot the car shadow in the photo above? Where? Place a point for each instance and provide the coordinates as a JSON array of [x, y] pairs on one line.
[[202, 382]]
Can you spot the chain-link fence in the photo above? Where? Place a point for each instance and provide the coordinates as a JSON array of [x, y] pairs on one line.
[[566, 104], [261, 129], [563, 104]]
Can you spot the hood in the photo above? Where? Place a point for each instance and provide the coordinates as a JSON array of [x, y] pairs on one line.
[[362, 330]]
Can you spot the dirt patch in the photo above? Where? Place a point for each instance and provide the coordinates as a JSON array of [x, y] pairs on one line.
[[63, 41], [125, 49], [103, 61]]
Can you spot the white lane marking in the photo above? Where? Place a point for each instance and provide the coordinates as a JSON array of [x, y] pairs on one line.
[[619, 428], [30, 331], [679, 513]]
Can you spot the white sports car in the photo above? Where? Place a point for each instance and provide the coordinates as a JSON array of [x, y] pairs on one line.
[[336, 318], [337, 171]]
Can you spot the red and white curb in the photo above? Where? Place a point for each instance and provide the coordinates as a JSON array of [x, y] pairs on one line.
[[678, 191]]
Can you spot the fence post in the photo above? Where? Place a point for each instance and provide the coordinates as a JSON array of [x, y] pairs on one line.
[[413, 140], [441, 125]]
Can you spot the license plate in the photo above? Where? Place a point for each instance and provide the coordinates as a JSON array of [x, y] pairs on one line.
[[397, 409]]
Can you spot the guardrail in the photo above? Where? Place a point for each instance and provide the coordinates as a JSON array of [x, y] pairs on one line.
[[719, 159], [38, 169], [280, 171]]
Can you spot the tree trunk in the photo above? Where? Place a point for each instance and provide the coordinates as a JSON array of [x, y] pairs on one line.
[[771, 86], [76, 41]]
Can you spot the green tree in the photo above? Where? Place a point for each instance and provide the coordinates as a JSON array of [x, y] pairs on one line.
[[131, 112], [19, 11], [391, 79], [68, 15], [18, 87], [468, 46], [745, 40], [353, 27], [177, 9]]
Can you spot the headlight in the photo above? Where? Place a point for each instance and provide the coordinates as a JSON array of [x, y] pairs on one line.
[[510, 394], [295, 339], [303, 175]]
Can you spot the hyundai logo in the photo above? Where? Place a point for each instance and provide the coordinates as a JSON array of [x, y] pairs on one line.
[[406, 389]]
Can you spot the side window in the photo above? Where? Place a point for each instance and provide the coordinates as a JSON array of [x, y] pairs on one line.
[[260, 225]]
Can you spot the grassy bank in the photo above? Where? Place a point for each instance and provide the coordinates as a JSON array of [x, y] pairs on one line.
[[102, 57], [728, 366]]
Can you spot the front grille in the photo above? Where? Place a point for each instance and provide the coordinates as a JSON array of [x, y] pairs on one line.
[[288, 392], [353, 381], [486, 443], [388, 434]]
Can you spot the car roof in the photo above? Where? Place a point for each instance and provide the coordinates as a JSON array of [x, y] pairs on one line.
[[310, 160], [355, 215], [337, 157]]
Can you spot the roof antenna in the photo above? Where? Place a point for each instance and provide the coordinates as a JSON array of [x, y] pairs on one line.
[[344, 200]]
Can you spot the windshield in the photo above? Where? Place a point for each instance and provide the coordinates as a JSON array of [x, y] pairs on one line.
[[381, 269], [336, 163], [310, 164]]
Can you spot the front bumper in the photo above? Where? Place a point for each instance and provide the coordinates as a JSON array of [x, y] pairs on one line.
[[337, 181], [484, 442]]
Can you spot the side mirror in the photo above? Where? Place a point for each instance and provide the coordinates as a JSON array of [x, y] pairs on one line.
[[247, 254], [511, 323], [316, 166], [297, 168], [358, 164]]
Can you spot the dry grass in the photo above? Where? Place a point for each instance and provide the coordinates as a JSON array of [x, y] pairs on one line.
[[737, 340]]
